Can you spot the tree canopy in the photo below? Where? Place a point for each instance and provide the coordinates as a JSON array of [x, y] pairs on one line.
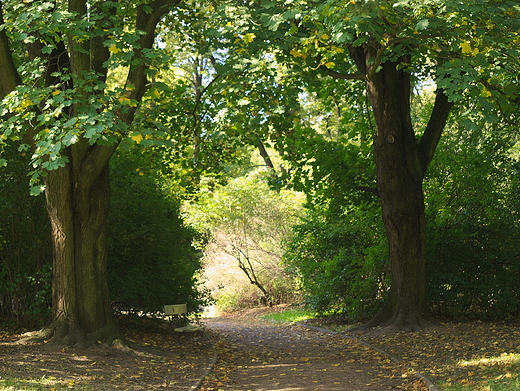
[[334, 86]]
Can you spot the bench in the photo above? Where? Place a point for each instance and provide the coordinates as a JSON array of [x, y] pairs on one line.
[[177, 316], [176, 313]]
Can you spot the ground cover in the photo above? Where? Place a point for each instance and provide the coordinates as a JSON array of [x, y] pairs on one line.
[[455, 356], [463, 356], [164, 360]]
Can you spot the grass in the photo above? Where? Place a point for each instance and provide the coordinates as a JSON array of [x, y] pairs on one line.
[[498, 373], [38, 384], [292, 315]]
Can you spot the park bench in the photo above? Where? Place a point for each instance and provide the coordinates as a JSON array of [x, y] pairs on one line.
[[177, 315]]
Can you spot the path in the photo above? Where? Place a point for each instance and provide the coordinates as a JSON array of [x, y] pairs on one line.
[[264, 356]]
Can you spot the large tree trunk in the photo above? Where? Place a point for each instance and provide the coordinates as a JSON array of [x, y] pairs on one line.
[[77, 195], [77, 201], [401, 163]]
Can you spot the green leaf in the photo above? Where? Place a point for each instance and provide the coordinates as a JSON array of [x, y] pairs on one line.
[[423, 24], [37, 190], [47, 49]]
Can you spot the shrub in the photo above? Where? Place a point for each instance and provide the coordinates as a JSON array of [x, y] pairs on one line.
[[341, 260], [152, 261], [25, 247]]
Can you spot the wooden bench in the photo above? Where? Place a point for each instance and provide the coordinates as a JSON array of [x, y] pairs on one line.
[[177, 316]]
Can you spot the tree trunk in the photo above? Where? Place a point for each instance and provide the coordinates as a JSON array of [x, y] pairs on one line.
[[77, 198], [400, 172], [77, 195]]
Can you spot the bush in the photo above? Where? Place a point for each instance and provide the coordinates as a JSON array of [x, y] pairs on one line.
[[25, 247], [474, 267], [341, 260], [152, 262], [473, 228]]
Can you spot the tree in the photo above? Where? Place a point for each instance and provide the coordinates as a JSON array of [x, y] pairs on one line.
[[470, 51], [55, 59], [248, 222]]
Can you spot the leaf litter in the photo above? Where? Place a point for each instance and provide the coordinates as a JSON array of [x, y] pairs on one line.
[[260, 355], [168, 360]]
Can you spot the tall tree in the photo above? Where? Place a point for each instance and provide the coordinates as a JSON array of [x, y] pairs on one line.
[[469, 50], [55, 58]]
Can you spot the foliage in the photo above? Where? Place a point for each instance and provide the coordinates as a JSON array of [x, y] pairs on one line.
[[463, 48], [341, 260], [247, 223], [184, 113], [25, 248], [152, 262], [473, 212]]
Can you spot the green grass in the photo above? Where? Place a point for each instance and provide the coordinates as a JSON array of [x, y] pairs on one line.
[[499, 385], [499, 373], [292, 315], [41, 384]]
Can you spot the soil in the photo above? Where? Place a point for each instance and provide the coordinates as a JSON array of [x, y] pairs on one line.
[[255, 354], [163, 359], [265, 356]]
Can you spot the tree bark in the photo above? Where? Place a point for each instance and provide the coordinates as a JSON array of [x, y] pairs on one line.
[[401, 163], [77, 203]]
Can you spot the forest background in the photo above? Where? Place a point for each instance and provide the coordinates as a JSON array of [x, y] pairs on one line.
[[252, 146]]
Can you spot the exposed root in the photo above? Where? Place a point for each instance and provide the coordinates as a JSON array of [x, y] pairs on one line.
[[400, 320], [34, 337], [62, 333]]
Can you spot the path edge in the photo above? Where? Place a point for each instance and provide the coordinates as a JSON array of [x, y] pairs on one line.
[[427, 382], [209, 368]]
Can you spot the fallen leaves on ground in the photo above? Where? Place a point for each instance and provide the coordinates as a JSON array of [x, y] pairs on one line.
[[167, 360], [473, 354], [256, 355]]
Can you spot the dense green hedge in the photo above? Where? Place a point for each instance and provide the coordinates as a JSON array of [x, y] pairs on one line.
[[151, 258]]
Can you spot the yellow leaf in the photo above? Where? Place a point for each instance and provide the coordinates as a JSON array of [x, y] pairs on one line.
[[126, 101], [325, 37], [296, 53], [137, 138], [114, 49], [249, 37], [330, 64], [466, 47]]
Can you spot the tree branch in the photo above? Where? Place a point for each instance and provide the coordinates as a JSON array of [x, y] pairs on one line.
[[434, 129], [147, 22]]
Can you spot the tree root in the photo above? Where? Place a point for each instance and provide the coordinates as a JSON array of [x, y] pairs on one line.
[[398, 320], [60, 332], [56, 334]]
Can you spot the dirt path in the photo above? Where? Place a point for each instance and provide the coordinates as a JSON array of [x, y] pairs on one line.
[[264, 356]]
